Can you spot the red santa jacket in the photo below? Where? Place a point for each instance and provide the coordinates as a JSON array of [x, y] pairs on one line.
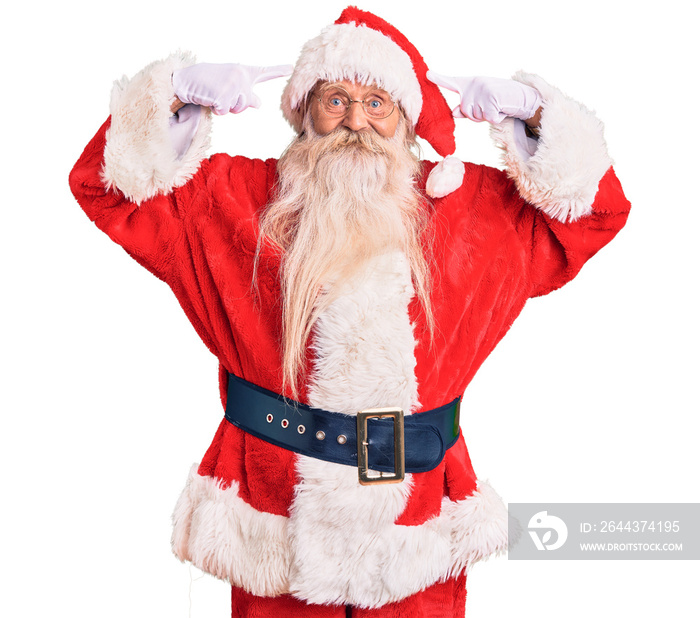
[[274, 522]]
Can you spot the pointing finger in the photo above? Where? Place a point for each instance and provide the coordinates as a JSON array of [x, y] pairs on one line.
[[268, 73], [443, 80]]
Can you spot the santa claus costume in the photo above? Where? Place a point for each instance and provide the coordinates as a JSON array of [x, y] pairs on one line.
[[292, 533]]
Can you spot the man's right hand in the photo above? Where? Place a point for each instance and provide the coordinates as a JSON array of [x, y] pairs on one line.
[[222, 87]]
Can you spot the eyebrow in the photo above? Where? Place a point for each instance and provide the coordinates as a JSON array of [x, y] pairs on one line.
[[329, 85]]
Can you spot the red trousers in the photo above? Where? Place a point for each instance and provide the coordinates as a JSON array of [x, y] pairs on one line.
[[443, 600]]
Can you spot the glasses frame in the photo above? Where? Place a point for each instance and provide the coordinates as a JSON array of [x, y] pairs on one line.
[[351, 101]]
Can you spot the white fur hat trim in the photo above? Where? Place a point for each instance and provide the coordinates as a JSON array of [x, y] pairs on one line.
[[357, 53]]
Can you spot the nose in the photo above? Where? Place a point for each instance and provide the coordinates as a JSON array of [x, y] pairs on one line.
[[356, 119]]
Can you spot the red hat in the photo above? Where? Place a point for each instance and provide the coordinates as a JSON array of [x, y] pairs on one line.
[[364, 48]]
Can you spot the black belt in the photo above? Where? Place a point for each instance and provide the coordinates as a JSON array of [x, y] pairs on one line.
[[391, 442]]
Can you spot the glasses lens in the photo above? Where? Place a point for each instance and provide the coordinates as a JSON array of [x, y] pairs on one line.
[[378, 104], [335, 102]]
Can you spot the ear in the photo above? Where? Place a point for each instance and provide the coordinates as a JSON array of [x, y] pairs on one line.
[[304, 108]]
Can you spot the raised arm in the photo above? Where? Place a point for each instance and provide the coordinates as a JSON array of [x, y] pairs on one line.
[[125, 178], [568, 202], [133, 178], [566, 173]]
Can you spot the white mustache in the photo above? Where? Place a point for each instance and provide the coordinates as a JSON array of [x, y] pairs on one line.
[[365, 140]]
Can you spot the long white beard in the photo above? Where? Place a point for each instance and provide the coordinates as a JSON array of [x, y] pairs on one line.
[[343, 199]]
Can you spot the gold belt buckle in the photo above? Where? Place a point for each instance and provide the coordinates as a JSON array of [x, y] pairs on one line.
[[363, 445]]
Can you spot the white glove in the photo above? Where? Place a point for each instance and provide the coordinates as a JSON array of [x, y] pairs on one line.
[[224, 87], [183, 126], [490, 98]]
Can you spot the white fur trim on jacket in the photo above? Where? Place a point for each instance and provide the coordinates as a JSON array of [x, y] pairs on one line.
[[356, 53], [562, 177], [347, 548], [478, 525], [221, 534], [364, 346], [140, 160]]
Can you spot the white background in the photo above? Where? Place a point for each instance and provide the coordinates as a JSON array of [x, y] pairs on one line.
[[108, 395]]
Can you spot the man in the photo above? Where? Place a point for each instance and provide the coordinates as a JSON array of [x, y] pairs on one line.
[[365, 286]]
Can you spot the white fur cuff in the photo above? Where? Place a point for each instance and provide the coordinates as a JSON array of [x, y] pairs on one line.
[[562, 176], [139, 158]]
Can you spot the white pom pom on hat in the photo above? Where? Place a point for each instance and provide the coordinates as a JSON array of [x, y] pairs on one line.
[[364, 48]]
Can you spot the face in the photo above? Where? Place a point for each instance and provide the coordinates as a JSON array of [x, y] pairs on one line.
[[356, 119]]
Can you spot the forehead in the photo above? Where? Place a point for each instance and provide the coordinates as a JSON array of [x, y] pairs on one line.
[[354, 89]]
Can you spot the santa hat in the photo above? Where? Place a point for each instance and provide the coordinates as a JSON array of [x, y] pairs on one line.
[[363, 48]]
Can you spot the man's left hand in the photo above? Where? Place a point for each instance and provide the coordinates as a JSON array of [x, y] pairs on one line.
[[492, 99]]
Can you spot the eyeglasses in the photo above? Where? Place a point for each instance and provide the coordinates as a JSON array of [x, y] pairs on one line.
[[336, 102]]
